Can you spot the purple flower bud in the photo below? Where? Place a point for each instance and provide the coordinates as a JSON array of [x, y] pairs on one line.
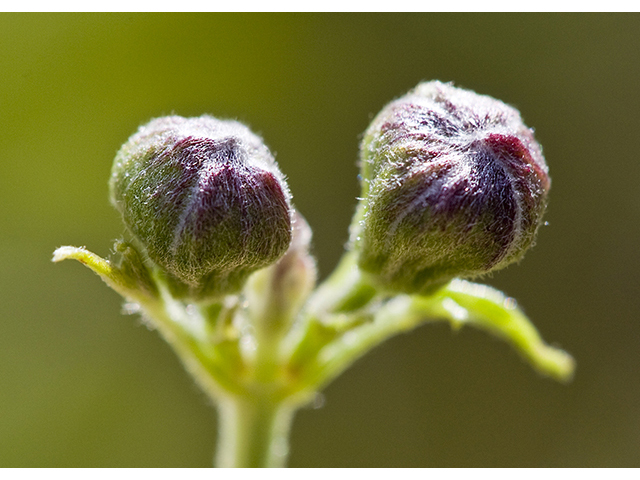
[[205, 199], [454, 185]]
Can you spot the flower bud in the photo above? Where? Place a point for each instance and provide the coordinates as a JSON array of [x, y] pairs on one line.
[[276, 294], [454, 185], [205, 199]]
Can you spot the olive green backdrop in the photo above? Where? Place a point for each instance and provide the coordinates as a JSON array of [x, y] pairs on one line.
[[83, 385]]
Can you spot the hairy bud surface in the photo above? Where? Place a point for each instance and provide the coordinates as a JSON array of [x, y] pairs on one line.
[[205, 199], [454, 185]]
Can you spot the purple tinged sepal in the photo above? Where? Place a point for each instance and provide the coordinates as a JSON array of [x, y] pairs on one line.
[[454, 185], [205, 201]]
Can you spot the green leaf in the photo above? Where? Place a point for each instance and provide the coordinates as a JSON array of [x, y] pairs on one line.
[[460, 303], [132, 281], [464, 302], [211, 364]]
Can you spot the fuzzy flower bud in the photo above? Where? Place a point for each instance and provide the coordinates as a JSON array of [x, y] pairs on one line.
[[205, 199], [454, 185]]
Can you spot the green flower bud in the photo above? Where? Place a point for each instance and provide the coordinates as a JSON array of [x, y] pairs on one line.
[[454, 185], [206, 201]]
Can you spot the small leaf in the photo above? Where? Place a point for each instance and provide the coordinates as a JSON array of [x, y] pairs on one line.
[[460, 303], [487, 308], [121, 280]]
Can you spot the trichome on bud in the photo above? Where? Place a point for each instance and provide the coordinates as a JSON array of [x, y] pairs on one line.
[[205, 199], [454, 185]]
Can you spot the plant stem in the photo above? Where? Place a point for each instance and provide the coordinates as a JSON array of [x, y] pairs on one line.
[[253, 432]]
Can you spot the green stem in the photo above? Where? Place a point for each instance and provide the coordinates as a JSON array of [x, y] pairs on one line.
[[253, 432], [344, 291]]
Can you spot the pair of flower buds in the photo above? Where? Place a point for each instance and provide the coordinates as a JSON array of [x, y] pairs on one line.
[[453, 185]]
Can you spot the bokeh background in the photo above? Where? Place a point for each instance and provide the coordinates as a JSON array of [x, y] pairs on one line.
[[83, 385]]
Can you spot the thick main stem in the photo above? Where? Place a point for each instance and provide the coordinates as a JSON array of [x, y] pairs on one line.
[[253, 433]]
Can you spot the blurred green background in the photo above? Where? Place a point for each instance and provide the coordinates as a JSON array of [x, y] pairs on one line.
[[83, 385]]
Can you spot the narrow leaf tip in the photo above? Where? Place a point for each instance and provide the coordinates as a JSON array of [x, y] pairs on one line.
[[65, 252]]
